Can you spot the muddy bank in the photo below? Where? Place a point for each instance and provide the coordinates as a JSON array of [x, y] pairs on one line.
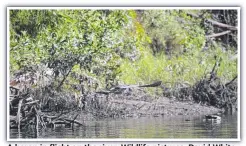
[[207, 96], [159, 107], [139, 104], [48, 106], [26, 112]]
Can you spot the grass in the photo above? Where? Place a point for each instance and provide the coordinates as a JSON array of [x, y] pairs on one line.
[[186, 68]]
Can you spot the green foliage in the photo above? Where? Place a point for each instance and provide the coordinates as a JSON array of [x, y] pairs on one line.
[[80, 41], [172, 31], [187, 62], [109, 46], [181, 69]]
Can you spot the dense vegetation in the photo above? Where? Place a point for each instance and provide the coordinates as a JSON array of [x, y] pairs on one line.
[[69, 54]]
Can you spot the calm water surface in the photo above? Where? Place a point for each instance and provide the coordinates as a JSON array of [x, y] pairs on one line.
[[145, 127]]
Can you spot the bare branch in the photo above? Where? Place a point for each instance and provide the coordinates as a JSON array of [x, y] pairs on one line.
[[218, 34], [222, 24], [214, 22], [231, 81]]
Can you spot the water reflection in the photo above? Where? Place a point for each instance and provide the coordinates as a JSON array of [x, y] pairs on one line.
[[156, 127]]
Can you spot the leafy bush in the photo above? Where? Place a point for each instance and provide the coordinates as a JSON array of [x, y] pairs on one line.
[[186, 62], [90, 49], [83, 42]]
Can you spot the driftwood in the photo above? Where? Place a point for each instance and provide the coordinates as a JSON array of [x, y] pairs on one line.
[[209, 90], [25, 111]]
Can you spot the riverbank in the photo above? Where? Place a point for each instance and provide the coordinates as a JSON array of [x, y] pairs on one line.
[[139, 104], [161, 107]]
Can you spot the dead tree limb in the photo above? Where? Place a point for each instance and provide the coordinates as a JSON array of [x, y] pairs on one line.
[[64, 78], [231, 81], [19, 115], [214, 71], [214, 22], [37, 127], [155, 84], [73, 121], [222, 24], [218, 34]]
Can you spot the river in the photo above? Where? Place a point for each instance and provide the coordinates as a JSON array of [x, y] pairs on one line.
[[166, 127]]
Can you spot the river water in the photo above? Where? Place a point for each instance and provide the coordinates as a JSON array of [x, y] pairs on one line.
[[175, 127]]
